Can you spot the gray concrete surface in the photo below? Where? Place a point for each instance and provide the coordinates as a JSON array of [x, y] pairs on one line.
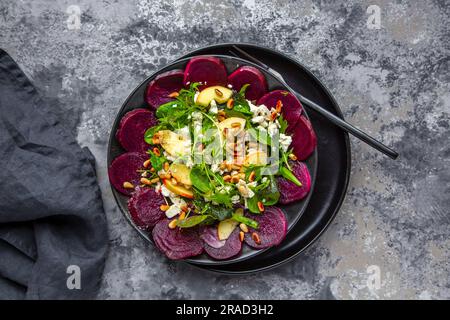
[[392, 82]]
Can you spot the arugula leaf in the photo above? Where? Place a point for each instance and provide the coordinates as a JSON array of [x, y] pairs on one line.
[[270, 194], [167, 108], [157, 161], [247, 221], [191, 221], [283, 124]]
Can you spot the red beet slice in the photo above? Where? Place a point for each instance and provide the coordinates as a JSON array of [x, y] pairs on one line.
[[158, 90], [289, 191], [210, 71], [252, 76], [272, 228], [292, 108], [124, 168], [144, 208], [231, 248], [304, 139], [177, 243], [209, 235], [132, 128]]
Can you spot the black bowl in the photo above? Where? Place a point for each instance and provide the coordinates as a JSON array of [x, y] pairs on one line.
[[136, 100]]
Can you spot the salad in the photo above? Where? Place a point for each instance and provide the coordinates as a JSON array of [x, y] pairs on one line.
[[210, 158]]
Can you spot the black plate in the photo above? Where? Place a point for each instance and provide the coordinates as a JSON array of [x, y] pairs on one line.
[[292, 211], [333, 170]]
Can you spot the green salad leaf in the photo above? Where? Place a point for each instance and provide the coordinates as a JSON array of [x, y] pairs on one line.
[[247, 221], [192, 221], [200, 179]]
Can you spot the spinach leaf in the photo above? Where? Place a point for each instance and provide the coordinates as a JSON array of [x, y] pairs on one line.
[[150, 132], [191, 221], [200, 179], [220, 212], [252, 204]]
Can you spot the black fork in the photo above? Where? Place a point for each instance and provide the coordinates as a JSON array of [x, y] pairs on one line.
[[238, 52]]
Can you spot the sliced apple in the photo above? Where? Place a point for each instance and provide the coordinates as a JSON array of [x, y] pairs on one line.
[[178, 189], [218, 93], [181, 172], [172, 142], [258, 158], [234, 123], [227, 226]]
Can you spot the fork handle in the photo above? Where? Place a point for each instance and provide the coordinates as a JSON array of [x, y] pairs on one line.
[[348, 127]]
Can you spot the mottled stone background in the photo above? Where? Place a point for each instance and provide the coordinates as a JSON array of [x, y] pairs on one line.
[[392, 82]]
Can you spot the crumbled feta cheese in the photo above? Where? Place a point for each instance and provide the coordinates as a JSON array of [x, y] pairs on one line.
[[196, 96], [252, 184], [214, 167], [197, 116], [244, 190], [230, 86], [264, 180], [235, 199], [173, 211], [272, 129], [285, 141], [165, 192], [258, 119], [213, 107]]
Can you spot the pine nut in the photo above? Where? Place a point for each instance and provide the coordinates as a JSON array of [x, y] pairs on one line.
[[243, 227], [128, 185], [174, 95], [235, 179], [255, 237], [279, 106], [164, 207], [230, 104], [227, 178], [146, 181], [252, 176], [241, 236], [156, 152], [260, 206], [173, 224], [218, 92], [154, 180], [147, 163], [292, 156], [182, 216], [152, 169]]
